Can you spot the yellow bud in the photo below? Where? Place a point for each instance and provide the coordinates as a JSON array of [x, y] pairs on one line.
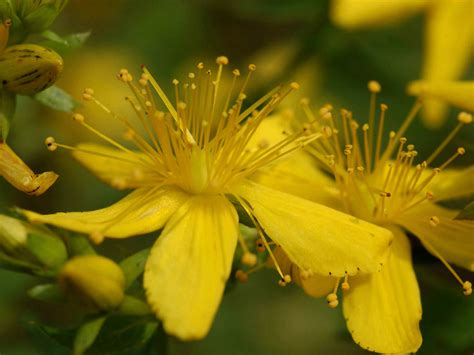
[[94, 281], [28, 68]]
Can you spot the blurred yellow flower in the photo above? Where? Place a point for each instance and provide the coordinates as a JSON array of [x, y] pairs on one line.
[[383, 309], [193, 161], [19, 175], [449, 37]]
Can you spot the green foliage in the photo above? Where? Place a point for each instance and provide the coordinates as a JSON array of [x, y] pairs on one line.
[[57, 99], [64, 44], [87, 334], [133, 266]]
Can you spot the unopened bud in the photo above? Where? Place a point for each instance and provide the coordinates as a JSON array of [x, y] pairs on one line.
[[23, 243], [94, 281]]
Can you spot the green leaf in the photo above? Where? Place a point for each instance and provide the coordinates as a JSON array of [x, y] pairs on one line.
[[65, 43], [132, 306], [124, 335], [48, 249], [467, 212], [87, 334], [46, 293], [57, 99], [7, 110], [133, 266], [45, 339]]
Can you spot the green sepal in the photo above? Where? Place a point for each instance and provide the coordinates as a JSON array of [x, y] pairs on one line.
[[132, 306], [87, 334], [48, 249], [57, 99], [79, 245], [7, 111], [467, 213]]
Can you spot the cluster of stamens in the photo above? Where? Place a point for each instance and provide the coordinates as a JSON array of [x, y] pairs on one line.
[[372, 185]]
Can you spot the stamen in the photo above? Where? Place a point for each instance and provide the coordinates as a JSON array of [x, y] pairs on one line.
[[241, 276], [464, 119]]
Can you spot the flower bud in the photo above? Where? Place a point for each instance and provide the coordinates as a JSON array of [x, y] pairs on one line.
[[36, 16], [28, 68], [31, 247], [94, 281]]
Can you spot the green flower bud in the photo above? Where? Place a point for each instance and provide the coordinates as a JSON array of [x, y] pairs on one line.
[[28, 68], [29, 247], [37, 15], [94, 281]]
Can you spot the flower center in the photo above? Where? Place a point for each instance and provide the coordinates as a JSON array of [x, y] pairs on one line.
[[201, 142]]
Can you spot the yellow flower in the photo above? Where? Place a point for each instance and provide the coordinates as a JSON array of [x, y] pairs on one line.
[[449, 35], [191, 165], [19, 175], [383, 309]]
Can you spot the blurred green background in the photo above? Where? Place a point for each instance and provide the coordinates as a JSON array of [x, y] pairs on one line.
[[287, 40]]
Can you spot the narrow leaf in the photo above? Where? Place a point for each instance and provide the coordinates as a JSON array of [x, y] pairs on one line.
[[133, 266], [87, 334]]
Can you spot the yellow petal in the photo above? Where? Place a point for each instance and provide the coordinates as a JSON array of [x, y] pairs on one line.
[[316, 237], [453, 184], [369, 13], [448, 43], [383, 310], [187, 269], [453, 239], [142, 211], [298, 175], [456, 93], [115, 167], [19, 175]]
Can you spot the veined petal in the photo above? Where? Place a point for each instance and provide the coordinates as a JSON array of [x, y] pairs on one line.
[[383, 310], [448, 43], [316, 237], [369, 13], [452, 239], [142, 211], [453, 184], [189, 265], [117, 168], [456, 93]]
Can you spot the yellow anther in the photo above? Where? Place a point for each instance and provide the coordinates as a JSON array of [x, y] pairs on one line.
[[236, 72], [434, 221], [252, 67], [461, 151], [241, 276], [429, 195], [222, 60], [175, 81], [249, 259], [182, 105], [118, 183], [403, 140], [464, 117], [282, 283], [467, 287], [78, 117], [294, 85], [365, 127], [260, 246], [89, 91], [374, 86], [332, 300], [304, 101], [200, 65], [287, 279], [392, 134], [383, 107], [51, 144], [96, 237], [345, 286], [327, 131]]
